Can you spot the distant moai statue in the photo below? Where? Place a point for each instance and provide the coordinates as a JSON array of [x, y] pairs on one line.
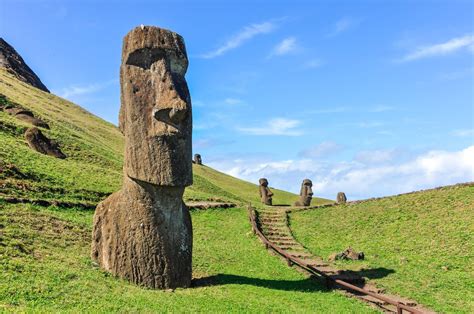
[[197, 159], [306, 193], [341, 198], [265, 192], [143, 232]]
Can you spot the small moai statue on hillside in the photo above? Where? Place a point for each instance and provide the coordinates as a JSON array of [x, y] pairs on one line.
[[197, 159], [265, 192], [341, 198], [306, 193], [143, 232]]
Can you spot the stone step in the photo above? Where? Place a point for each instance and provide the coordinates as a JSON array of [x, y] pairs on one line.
[[292, 243], [272, 220], [290, 247], [275, 238], [299, 254]]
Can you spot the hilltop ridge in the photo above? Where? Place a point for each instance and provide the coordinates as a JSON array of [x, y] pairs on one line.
[[11, 60], [94, 150]]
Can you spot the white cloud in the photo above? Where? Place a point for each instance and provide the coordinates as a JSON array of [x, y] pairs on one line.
[[376, 156], [463, 133], [361, 180], [285, 47], [78, 90], [448, 47], [341, 26], [323, 149], [276, 126], [247, 33]]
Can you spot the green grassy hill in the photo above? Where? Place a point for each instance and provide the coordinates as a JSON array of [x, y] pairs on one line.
[[44, 251], [94, 149], [420, 244]]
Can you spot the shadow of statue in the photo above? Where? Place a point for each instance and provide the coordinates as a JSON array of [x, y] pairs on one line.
[[302, 285], [309, 284]]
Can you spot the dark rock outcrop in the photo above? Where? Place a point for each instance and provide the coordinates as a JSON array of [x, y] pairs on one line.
[[347, 254], [26, 115], [40, 143], [14, 63], [143, 232]]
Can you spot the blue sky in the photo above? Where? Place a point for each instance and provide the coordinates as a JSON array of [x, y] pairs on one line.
[[360, 97]]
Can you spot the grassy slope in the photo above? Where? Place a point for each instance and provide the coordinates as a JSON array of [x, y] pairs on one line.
[[94, 148], [424, 240], [44, 257], [44, 252]]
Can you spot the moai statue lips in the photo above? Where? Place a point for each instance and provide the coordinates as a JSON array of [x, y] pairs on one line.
[[155, 116]]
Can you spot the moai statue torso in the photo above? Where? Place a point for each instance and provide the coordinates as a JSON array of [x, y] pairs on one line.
[[265, 192], [197, 159], [306, 193], [341, 198], [143, 232]]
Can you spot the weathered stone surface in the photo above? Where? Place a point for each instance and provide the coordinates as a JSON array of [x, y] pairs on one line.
[[197, 159], [347, 254], [265, 192], [341, 198], [26, 115], [143, 232], [40, 143], [306, 193], [14, 63], [155, 115]]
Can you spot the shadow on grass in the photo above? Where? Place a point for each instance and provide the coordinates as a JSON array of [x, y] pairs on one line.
[[312, 283], [375, 273], [306, 285]]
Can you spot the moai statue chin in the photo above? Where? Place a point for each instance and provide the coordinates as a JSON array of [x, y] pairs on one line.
[[306, 193], [341, 198], [265, 192], [143, 232], [197, 159]]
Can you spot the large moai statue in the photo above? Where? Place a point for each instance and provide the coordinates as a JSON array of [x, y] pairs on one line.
[[341, 198], [265, 192], [197, 159], [306, 193], [143, 232]]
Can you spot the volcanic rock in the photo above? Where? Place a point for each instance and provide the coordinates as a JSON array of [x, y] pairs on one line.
[[14, 63], [40, 143], [143, 232]]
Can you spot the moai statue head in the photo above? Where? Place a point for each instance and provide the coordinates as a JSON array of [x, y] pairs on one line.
[[341, 198], [155, 115], [306, 193], [265, 193], [197, 159]]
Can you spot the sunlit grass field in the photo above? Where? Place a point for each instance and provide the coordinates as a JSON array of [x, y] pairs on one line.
[[422, 244], [44, 257]]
